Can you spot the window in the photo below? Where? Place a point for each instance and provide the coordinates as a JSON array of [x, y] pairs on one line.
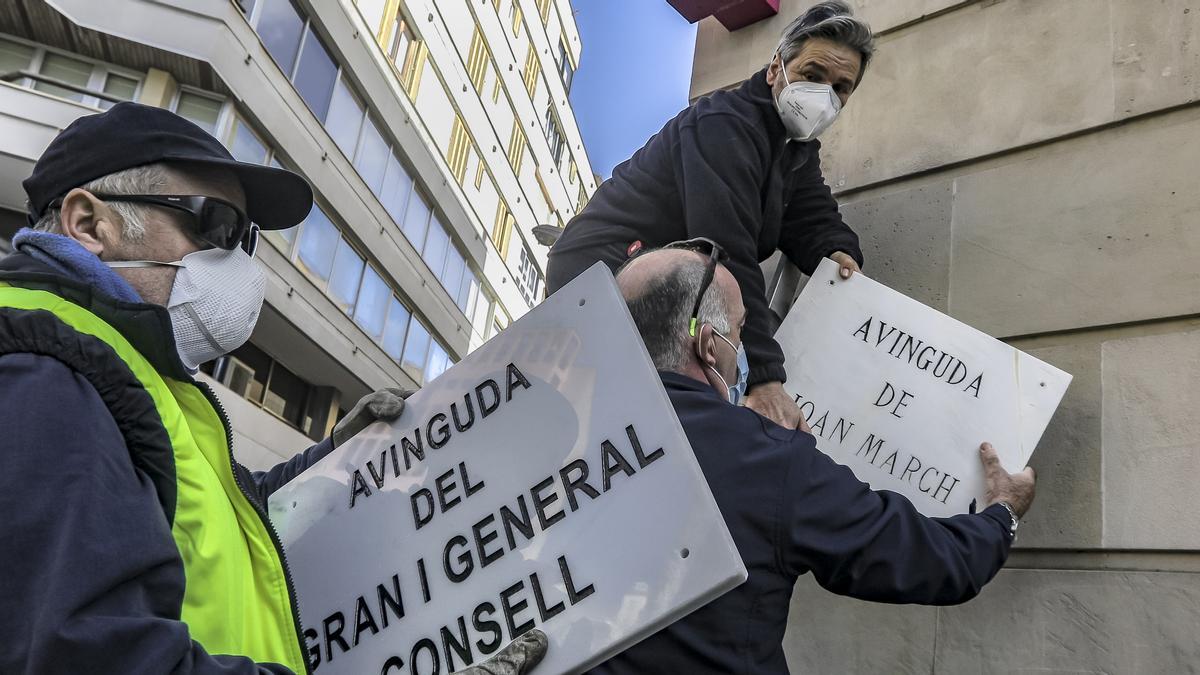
[[573, 175], [280, 27], [436, 243], [583, 198], [370, 313], [533, 71], [439, 361], [477, 61], [544, 9], [452, 273], [345, 117], [529, 278], [119, 86], [245, 145], [416, 220], [515, 17], [372, 158], [250, 373], [315, 74], [502, 229], [408, 53], [395, 329], [67, 70], [460, 144], [554, 135], [468, 293], [318, 242], [14, 56], [516, 145], [202, 110], [346, 276], [565, 70], [416, 350], [396, 186]]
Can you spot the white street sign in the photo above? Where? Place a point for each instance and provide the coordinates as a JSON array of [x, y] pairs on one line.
[[904, 395], [543, 481]]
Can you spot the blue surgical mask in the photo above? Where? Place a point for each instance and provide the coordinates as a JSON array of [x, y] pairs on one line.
[[737, 391]]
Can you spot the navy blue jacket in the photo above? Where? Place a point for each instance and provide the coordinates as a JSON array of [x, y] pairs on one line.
[[722, 168], [90, 578], [792, 510]]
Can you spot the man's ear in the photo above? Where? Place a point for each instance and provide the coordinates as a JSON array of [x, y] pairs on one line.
[[773, 70], [706, 349], [88, 221]]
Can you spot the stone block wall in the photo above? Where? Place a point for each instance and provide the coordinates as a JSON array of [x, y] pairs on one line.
[[1032, 167]]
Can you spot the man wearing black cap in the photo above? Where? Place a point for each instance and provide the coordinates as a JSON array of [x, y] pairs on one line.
[[133, 540]]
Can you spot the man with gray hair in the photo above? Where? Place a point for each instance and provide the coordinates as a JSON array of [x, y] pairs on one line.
[[791, 509], [741, 167]]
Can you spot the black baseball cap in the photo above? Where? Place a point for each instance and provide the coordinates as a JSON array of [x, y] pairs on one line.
[[130, 135]]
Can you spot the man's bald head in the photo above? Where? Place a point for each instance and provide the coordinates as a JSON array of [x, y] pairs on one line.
[[660, 288]]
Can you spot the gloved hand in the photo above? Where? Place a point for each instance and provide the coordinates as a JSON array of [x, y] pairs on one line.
[[385, 405], [519, 657]]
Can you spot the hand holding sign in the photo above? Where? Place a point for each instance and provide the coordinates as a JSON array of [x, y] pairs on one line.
[[1014, 489]]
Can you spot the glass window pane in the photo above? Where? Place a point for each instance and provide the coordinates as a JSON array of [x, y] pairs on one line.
[[439, 361], [318, 241], [347, 273], [14, 56], [245, 145], [396, 186], [283, 237], [245, 372], [372, 156], [315, 74], [396, 329], [66, 69], [202, 110], [466, 290], [372, 306], [436, 242], [120, 86], [345, 117], [416, 220], [415, 350], [286, 395], [452, 273], [280, 26]]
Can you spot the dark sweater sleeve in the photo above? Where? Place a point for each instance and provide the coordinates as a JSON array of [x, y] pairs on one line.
[[874, 545], [267, 482], [92, 580], [722, 166], [812, 224]]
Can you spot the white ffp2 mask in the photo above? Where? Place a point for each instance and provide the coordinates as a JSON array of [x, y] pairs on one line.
[[806, 108], [214, 301]]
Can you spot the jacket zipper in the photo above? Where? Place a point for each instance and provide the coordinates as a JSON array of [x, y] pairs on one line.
[[262, 515]]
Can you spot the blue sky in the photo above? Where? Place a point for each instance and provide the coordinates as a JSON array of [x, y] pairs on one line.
[[633, 75]]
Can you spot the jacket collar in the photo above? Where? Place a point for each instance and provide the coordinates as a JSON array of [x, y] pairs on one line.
[[146, 326], [675, 381], [756, 90]]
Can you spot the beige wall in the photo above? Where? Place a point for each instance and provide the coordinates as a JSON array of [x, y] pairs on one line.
[[1030, 167]]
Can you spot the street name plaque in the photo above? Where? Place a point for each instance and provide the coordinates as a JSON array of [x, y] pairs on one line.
[[542, 481], [904, 395]]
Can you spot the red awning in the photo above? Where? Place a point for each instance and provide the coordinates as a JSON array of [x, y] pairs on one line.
[[733, 14]]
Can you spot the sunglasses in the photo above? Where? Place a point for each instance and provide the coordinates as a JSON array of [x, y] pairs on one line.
[[215, 221], [715, 255]]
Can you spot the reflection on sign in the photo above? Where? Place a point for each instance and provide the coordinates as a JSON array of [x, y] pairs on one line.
[[543, 481], [904, 395]]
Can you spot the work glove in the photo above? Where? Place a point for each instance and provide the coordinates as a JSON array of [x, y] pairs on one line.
[[519, 657], [383, 405]]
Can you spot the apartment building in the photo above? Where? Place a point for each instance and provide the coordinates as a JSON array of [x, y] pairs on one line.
[[436, 135]]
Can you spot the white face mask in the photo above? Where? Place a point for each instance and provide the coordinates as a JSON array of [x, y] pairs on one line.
[[214, 302], [806, 108]]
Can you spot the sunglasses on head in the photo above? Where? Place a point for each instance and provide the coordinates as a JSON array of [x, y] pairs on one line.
[[715, 254], [214, 221]]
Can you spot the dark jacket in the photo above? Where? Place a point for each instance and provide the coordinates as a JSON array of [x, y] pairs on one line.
[[792, 510], [92, 580], [721, 169]]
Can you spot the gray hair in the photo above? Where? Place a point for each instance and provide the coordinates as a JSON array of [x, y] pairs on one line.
[[832, 20], [663, 310], [146, 179]]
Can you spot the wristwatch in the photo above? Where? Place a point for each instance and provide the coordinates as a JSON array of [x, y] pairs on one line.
[[1012, 528]]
